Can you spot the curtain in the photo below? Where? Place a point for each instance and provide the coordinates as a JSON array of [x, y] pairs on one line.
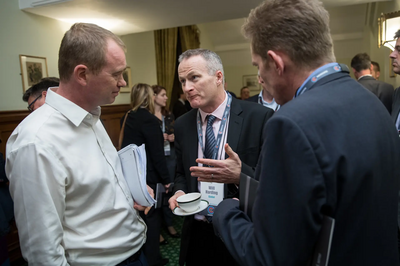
[[166, 41], [190, 37], [165, 45]]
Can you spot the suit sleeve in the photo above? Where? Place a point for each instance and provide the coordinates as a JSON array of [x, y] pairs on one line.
[[286, 213]]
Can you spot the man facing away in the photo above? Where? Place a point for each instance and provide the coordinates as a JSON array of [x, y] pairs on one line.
[[376, 70], [331, 150], [35, 96], [219, 118], [362, 68], [72, 204]]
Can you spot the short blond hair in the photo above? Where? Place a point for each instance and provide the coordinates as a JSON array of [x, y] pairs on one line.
[[142, 97], [299, 28]]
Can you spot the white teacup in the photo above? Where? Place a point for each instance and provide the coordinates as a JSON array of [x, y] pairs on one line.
[[189, 202]]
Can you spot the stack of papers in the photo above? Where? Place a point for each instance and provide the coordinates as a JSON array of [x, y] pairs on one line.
[[133, 161]]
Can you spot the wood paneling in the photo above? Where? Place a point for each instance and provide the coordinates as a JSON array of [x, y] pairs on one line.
[[9, 120]]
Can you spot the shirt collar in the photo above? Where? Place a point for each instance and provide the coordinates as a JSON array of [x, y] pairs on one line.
[[367, 75], [218, 113], [70, 110]]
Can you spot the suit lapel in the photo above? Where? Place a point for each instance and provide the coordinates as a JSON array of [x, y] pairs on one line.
[[192, 146], [235, 125]]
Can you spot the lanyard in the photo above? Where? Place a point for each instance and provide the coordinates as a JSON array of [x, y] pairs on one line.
[[220, 131], [320, 73], [163, 124]]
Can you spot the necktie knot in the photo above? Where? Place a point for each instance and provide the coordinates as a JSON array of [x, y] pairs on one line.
[[210, 120]]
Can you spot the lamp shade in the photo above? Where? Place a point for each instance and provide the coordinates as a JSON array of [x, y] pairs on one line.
[[388, 25]]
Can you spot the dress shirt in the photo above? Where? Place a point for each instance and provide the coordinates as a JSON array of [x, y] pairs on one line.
[[273, 105], [366, 75], [218, 113], [72, 204]]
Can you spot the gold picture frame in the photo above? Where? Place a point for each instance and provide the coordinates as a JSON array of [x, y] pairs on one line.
[[127, 77], [33, 69], [251, 82]]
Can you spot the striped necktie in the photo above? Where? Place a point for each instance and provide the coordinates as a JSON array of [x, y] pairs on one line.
[[210, 138]]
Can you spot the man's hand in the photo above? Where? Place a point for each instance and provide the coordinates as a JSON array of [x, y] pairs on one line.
[[171, 137], [172, 201], [142, 208], [222, 171], [167, 187]]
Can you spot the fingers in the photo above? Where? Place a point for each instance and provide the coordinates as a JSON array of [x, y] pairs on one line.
[[231, 154], [172, 201], [151, 191]]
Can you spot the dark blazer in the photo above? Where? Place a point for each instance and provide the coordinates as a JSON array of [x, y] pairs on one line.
[[245, 129], [383, 90], [253, 98], [331, 151], [143, 127], [396, 105], [179, 109]]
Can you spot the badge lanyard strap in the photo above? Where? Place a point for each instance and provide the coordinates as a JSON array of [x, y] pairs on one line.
[[220, 131], [320, 73], [163, 124]]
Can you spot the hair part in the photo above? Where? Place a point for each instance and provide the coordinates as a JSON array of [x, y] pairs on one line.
[[360, 62], [86, 44], [213, 61], [142, 97], [41, 86], [299, 28]]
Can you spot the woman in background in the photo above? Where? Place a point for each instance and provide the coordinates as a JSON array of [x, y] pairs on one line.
[[166, 121], [142, 127]]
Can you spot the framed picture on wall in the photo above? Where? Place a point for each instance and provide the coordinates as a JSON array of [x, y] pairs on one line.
[[251, 81], [128, 79], [33, 69]]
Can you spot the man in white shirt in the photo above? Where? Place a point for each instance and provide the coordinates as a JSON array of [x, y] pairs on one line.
[[72, 204]]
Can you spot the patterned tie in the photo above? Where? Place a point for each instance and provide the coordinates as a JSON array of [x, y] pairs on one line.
[[210, 138]]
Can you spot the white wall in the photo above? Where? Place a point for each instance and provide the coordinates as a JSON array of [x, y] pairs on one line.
[[24, 33]]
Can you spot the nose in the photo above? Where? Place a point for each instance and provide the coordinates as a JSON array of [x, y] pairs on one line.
[[393, 54], [187, 86], [122, 82]]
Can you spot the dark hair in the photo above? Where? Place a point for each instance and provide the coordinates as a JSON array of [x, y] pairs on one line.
[[361, 61], [41, 86], [245, 87], [157, 89], [376, 65], [397, 34], [84, 43]]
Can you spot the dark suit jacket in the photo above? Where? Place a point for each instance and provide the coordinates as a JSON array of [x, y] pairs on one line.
[[382, 90], [143, 127], [179, 109], [331, 151], [253, 98], [245, 129], [396, 105]]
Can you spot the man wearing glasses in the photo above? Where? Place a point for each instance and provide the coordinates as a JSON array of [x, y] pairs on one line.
[[35, 96]]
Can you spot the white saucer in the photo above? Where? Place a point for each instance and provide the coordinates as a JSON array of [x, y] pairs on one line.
[[178, 211]]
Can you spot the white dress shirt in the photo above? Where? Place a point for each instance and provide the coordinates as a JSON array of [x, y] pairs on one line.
[[72, 204]]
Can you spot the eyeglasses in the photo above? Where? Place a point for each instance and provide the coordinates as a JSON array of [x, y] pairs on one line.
[[32, 103]]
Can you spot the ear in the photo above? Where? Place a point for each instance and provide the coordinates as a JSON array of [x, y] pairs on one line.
[[81, 74], [44, 93], [220, 77], [276, 61]]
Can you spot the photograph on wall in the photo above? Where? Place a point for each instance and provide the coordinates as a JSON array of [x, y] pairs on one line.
[[251, 82], [128, 80], [33, 69]]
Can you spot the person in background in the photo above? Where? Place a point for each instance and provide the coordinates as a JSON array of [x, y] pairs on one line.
[[376, 70], [264, 97], [244, 93], [361, 65], [180, 105], [330, 153], [166, 120], [35, 96], [142, 127], [72, 203]]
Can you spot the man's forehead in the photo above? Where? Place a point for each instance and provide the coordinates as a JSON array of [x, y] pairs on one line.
[[192, 64]]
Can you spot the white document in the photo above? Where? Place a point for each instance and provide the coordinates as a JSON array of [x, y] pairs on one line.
[[134, 167]]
